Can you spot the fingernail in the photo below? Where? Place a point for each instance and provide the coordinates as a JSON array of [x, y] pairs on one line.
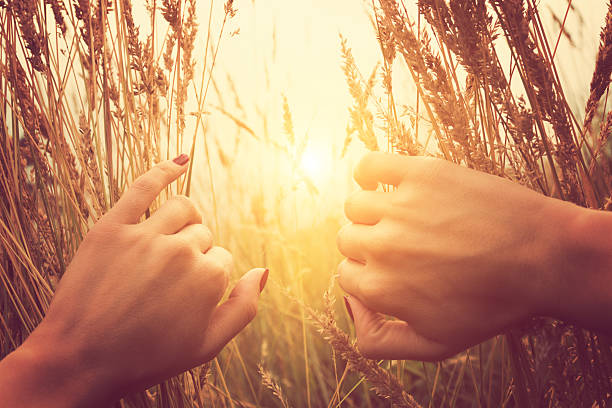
[[348, 308], [181, 159], [264, 279]]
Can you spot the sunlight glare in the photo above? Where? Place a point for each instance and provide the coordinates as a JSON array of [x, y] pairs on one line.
[[314, 164]]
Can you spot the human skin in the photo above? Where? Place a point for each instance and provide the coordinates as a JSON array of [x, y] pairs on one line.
[[137, 304], [458, 256]]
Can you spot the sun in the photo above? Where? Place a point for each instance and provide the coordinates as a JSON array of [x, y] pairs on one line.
[[314, 164]]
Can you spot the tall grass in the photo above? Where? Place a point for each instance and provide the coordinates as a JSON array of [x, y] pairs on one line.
[[89, 103], [514, 122]]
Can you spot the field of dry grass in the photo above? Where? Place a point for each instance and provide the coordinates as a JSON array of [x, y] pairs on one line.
[[93, 95]]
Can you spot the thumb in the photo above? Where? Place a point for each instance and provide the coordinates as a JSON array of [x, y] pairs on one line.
[[382, 339], [229, 318]]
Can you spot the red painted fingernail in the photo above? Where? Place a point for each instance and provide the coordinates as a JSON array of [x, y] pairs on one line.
[[264, 279], [348, 308], [181, 159]]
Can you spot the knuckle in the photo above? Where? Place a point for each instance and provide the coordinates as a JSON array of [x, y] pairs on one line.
[[219, 272], [200, 237], [215, 269], [210, 279], [183, 201], [182, 248], [207, 234], [213, 281], [217, 285], [226, 259], [187, 205], [205, 239]]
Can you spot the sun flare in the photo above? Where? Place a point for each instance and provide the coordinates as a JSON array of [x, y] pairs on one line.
[[314, 164]]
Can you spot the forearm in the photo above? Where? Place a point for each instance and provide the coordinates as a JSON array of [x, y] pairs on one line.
[[580, 278], [46, 374]]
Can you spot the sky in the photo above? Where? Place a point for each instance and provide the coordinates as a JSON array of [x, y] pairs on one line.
[[289, 48], [306, 63]]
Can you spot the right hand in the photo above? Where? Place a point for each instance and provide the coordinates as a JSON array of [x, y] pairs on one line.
[[455, 255]]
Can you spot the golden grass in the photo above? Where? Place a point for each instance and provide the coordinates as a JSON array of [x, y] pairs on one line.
[[88, 106]]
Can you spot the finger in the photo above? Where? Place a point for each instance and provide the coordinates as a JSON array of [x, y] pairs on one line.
[[352, 240], [198, 234], [386, 168], [233, 315], [174, 215], [139, 196], [350, 272], [366, 207], [382, 339], [220, 262], [221, 257]]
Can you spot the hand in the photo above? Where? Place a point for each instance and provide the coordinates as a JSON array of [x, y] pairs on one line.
[[455, 255], [138, 302]]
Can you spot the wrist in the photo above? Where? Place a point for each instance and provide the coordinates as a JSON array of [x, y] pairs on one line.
[[46, 371], [579, 270]]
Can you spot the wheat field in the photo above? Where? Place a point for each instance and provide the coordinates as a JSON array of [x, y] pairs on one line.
[[94, 93]]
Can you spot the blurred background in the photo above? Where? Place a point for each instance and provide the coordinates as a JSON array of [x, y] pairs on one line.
[[274, 50]]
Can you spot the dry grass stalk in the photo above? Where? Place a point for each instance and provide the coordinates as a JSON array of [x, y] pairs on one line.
[[468, 30], [81, 118], [60, 168], [382, 381], [603, 69], [545, 96], [268, 381], [362, 120]]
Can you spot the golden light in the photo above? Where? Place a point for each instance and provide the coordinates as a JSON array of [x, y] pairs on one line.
[[315, 164]]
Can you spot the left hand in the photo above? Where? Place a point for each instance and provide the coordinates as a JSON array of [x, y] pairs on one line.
[[137, 304]]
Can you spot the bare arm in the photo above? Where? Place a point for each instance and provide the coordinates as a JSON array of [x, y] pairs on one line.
[[458, 256], [138, 304]]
